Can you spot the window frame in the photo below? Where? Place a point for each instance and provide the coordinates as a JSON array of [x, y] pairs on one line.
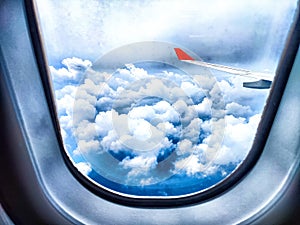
[[242, 170], [50, 179]]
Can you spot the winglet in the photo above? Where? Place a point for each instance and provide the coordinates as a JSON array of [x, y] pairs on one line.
[[182, 55]]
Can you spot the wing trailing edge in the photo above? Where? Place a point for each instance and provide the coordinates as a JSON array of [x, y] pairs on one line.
[[265, 79]]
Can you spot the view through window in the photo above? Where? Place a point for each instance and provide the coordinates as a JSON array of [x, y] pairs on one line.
[[161, 98]]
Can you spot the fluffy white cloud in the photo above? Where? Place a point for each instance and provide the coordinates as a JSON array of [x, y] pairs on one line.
[[204, 108], [238, 138], [83, 167], [140, 162], [111, 142], [238, 110], [143, 112], [66, 90], [192, 89], [168, 128], [104, 123], [187, 113], [65, 105], [133, 72], [185, 146], [66, 122], [190, 165], [84, 95], [86, 131], [90, 87], [139, 169], [138, 134], [75, 64], [83, 110], [192, 131], [84, 146], [74, 70]]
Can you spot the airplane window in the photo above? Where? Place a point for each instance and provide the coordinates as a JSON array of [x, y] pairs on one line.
[[161, 99]]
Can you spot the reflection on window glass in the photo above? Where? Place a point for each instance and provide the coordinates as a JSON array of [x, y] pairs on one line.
[[161, 98]]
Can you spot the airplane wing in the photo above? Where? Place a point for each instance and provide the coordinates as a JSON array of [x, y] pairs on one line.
[[264, 79]]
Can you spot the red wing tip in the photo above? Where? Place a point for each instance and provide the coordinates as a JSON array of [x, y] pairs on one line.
[[182, 55]]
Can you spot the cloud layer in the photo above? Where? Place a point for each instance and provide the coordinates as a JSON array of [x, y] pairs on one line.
[[150, 126]]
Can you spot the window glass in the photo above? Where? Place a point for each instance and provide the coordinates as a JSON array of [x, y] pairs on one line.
[[161, 98]]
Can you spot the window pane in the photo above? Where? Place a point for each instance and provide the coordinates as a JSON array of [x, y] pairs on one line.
[[161, 98]]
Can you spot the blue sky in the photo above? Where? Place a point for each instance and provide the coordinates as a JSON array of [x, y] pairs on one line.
[[150, 124]]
